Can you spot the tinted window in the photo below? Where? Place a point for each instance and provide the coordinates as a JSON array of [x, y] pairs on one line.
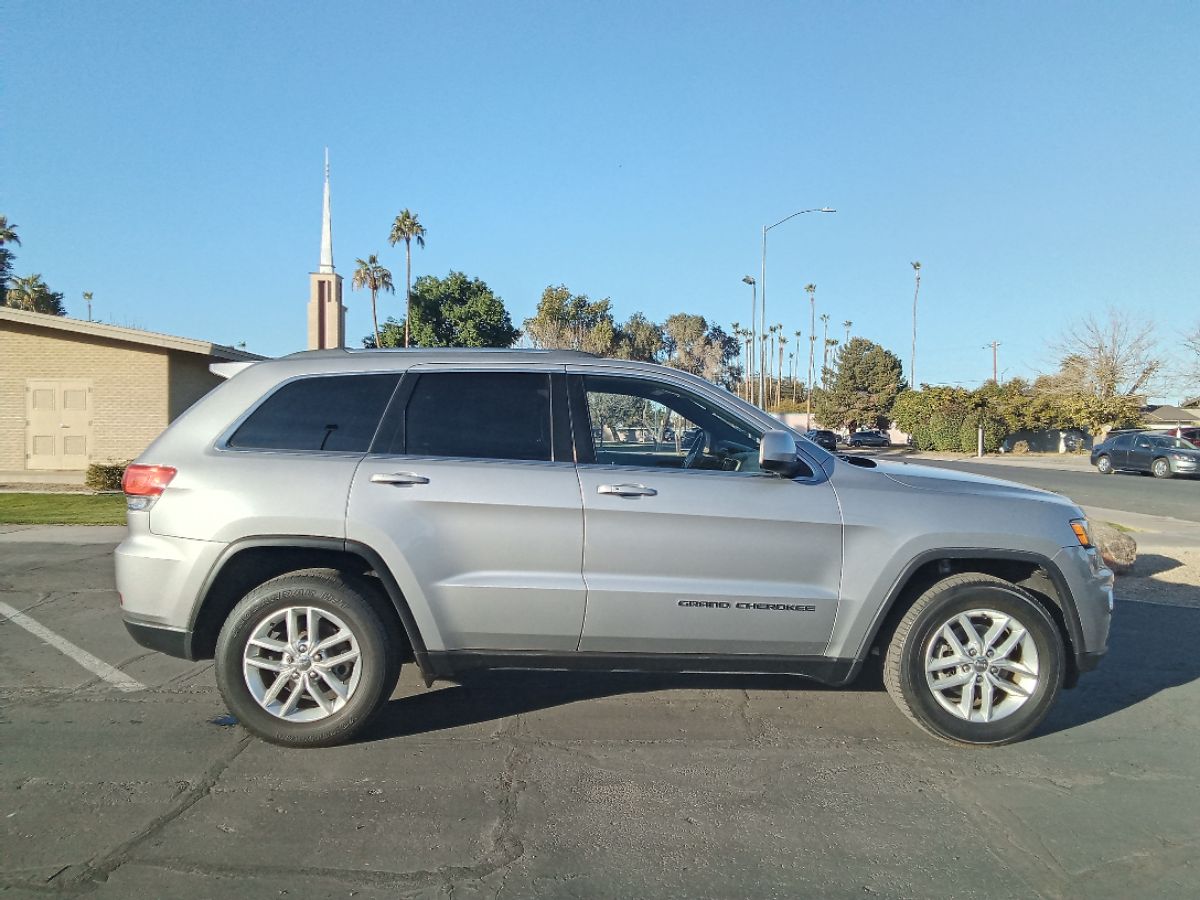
[[1123, 442], [484, 415], [326, 413]]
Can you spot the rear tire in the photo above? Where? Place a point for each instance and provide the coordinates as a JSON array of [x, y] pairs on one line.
[[989, 684], [1160, 468], [307, 659], [1104, 465]]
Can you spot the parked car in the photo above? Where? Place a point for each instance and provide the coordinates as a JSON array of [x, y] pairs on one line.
[[320, 520], [1140, 451], [868, 439], [822, 438], [1191, 435]]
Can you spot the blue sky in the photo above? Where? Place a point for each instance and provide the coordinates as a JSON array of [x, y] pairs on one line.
[[1040, 160]]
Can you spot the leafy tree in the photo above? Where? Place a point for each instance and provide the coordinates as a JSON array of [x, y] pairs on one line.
[[867, 382], [31, 293], [639, 338], [8, 235], [694, 346], [566, 321], [371, 275], [407, 228], [455, 311]]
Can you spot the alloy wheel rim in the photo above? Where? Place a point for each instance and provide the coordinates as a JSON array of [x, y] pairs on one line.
[[981, 665], [301, 664]]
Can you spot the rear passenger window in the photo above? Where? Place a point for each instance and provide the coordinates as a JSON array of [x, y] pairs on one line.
[[325, 413], [481, 415]]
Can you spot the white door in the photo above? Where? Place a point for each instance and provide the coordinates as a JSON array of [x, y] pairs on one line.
[[58, 424]]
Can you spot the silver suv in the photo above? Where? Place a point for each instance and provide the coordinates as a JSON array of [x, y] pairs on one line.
[[319, 520]]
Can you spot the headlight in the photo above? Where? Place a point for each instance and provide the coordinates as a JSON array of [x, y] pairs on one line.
[[1082, 534]]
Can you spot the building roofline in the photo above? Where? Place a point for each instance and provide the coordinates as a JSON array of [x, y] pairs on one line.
[[125, 335]]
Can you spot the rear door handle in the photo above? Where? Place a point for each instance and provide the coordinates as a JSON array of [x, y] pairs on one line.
[[627, 490], [398, 478]]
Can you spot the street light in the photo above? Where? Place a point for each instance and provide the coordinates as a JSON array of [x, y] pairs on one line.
[[749, 279], [762, 280]]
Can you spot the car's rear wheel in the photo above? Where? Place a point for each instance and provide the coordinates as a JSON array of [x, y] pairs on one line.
[[1104, 465], [307, 659], [1161, 468], [975, 660]]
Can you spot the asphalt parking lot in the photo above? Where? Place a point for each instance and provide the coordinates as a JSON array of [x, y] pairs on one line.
[[513, 785]]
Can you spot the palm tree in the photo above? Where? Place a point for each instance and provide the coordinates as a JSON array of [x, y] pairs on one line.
[[912, 360], [87, 298], [779, 387], [737, 332], [830, 343], [8, 233], [407, 228], [792, 373], [371, 275], [847, 325], [811, 289], [825, 351]]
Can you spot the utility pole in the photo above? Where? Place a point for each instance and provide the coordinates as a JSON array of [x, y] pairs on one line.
[[995, 361], [912, 360]]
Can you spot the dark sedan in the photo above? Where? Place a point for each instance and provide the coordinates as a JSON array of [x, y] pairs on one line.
[[822, 438], [1159, 454], [868, 439]]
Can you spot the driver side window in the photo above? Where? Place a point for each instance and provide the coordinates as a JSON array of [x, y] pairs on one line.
[[647, 424]]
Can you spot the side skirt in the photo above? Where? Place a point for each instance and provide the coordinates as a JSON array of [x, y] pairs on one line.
[[447, 664]]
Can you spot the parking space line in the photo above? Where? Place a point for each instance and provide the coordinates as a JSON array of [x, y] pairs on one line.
[[111, 674]]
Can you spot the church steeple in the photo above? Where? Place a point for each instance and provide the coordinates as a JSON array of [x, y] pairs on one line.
[[326, 226], [326, 315]]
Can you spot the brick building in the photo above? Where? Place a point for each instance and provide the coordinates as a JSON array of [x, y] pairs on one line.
[[75, 392]]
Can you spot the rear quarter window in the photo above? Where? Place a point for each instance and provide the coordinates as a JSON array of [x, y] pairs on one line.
[[323, 413]]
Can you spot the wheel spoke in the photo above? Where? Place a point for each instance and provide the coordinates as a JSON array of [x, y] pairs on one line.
[[1009, 687], [952, 639], [998, 625], [986, 697], [311, 626], [292, 701], [952, 681], [293, 626], [1014, 637], [261, 662], [335, 684], [1017, 668], [338, 637], [968, 700], [274, 689], [969, 627], [348, 657], [310, 685], [266, 643], [944, 662]]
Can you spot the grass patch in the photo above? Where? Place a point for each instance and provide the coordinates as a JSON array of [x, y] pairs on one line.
[[62, 509], [1119, 527]]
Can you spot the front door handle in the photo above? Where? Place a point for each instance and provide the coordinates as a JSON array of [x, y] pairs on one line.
[[398, 478], [627, 490]]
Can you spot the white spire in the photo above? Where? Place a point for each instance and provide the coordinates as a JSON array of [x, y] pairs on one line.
[[326, 226]]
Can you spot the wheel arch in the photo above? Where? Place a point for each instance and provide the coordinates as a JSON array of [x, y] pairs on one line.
[[1030, 571], [250, 562]]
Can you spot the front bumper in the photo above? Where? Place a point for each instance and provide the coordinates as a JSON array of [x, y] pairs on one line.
[[170, 641], [1090, 586]]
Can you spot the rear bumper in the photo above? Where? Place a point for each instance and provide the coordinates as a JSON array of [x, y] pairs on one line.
[[170, 641]]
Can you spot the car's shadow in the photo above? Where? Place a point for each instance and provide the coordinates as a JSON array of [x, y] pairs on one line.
[[1151, 649]]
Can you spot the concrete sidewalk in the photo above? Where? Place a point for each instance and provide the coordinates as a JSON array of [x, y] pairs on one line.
[[1067, 462]]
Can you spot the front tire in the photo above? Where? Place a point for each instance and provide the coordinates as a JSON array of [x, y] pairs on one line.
[[975, 660], [1104, 465], [307, 659], [1160, 468]]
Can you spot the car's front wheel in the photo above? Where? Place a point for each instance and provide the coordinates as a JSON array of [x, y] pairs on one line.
[[1161, 468], [307, 659], [1104, 465], [975, 660]]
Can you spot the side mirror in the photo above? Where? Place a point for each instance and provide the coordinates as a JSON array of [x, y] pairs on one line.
[[777, 453]]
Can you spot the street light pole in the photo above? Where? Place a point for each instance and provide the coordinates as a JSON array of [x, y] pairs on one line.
[[762, 280], [749, 279]]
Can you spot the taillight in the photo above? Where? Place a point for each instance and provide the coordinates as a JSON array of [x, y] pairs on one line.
[[143, 485]]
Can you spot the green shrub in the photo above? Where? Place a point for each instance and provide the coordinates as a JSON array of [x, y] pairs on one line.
[[105, 476]]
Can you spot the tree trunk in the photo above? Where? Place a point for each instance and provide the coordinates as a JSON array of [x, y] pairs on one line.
[[375, 321], [407, 287]]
